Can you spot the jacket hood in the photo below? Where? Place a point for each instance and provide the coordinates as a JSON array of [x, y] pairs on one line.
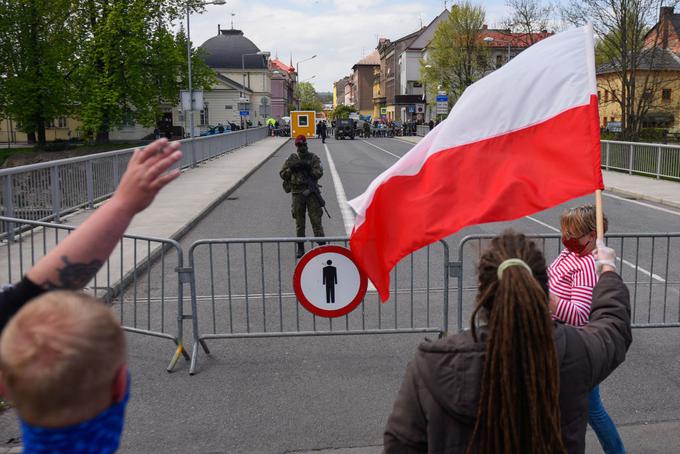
[[451, 368]]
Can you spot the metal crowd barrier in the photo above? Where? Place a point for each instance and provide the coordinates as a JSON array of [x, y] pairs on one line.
[[49, 190], [238, 290], [648, 159], [648, 263], [147, 299]]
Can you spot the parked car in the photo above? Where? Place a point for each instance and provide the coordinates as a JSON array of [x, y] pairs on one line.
[[344, 128]]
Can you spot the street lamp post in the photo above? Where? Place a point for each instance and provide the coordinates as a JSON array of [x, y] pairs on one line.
[[297, 72], [265, 54], [191, 94]]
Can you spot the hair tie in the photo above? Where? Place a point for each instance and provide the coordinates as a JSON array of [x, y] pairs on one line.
[[512, 262]]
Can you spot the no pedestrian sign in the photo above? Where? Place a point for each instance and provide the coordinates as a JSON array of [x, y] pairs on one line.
[[328, 283]]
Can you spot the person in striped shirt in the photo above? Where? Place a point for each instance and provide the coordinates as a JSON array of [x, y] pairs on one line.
[[572, 277]]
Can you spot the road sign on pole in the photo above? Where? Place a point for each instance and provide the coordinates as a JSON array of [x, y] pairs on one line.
[[328, 283], [244, 113]]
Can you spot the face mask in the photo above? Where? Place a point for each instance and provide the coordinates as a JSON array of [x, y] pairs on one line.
[[573, 245], [100, 434]]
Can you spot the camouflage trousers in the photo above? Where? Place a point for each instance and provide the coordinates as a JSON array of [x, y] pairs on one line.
[[302, 205]]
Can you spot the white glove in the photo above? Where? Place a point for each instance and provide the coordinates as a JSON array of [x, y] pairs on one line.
[[604, 255]]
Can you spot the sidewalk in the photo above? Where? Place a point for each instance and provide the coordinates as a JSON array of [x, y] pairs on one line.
[[632, 186], [177, 209]]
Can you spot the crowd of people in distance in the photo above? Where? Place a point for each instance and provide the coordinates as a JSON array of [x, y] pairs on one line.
[[523, 379]]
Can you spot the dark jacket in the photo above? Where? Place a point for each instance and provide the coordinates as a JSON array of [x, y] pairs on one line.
[[298, 169], [436, 407]]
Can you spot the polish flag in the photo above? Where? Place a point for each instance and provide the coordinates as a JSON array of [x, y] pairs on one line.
[[524, 138]]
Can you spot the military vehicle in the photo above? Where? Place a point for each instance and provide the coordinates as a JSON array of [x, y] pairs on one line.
[[344, 128]]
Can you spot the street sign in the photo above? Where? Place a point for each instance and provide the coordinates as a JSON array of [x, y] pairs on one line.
[[420, 108], [411, 109], [328, 283], [442, 108], [244, 113], [354, 116], [442, 98], [197, 96], [383, 111]]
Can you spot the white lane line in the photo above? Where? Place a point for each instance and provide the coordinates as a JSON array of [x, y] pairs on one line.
[[625, 262], [345, 209], [381, 149], [665, 210]]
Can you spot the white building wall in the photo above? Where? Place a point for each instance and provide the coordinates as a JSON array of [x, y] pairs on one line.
[[410, 72]]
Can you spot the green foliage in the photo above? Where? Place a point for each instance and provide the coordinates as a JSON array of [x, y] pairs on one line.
[[36, 49], [653, 134], [457, 57], [342, 111], [309, 100]]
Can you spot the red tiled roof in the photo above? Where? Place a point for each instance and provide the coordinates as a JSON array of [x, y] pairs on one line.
[[501, 38], [278, 64]]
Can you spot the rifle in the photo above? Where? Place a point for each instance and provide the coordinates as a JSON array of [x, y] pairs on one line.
[[313, 188]]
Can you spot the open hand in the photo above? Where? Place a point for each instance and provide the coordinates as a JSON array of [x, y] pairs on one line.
[[145, 175]]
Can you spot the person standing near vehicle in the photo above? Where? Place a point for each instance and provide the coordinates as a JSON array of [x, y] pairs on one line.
[[323, 131], [301, 173]]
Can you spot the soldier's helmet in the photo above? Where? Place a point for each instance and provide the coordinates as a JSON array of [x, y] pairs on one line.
[[299, 140]]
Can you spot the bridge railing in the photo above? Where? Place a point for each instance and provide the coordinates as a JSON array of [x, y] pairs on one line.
[[47, 191], [648, 159]]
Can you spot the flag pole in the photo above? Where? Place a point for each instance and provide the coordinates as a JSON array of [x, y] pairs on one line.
[[598, 214]]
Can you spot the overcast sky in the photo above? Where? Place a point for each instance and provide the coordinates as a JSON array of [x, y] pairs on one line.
[[340, 32]]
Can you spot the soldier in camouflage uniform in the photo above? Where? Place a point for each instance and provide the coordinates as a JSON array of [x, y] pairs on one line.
[[298, 169]]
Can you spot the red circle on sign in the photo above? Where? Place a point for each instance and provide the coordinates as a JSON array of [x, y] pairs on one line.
[[297, 276]]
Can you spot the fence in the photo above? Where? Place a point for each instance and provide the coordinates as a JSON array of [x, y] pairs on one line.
[[49, 190], [649, 159], [648, 263], [148, 299], [242, 288]]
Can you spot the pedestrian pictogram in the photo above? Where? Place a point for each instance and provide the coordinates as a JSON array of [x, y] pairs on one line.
[[328, 283]]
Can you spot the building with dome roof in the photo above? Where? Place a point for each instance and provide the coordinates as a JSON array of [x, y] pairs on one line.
[[242, 88]]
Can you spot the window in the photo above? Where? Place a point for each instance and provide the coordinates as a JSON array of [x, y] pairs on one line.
[[303, 120], [666, 94], [49, 124], [180, 117], [499, 61], [205, 119], [62, 122], [229, 107], [647, 95]]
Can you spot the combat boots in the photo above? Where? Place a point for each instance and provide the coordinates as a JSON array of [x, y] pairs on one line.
[[300, 250]]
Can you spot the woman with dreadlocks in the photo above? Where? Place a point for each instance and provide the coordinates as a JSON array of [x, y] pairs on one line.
[[516, 382]]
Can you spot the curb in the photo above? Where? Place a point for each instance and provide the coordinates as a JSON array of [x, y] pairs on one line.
[[636, 196], [178, 235]]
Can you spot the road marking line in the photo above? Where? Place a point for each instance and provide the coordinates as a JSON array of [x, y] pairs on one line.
[[665, 210], [625, 262], [345, 209], [381, 149]]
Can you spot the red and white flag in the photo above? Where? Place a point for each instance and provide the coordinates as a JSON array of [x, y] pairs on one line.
[[524, 138]]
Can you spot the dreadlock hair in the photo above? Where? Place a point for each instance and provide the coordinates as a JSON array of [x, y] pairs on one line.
[[519, 397]]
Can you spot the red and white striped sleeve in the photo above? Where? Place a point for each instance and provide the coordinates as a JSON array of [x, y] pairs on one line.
[[575, 300]]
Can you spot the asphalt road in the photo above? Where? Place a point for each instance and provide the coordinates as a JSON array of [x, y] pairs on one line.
[[297, 394], [275, 395]]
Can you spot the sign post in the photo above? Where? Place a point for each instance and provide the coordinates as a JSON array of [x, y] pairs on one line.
[[328, 283]]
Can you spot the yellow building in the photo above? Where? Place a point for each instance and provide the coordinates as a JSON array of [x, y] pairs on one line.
[[657, 98]]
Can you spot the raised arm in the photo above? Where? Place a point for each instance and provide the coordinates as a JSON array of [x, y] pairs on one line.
[[79, 256], [608, 335]]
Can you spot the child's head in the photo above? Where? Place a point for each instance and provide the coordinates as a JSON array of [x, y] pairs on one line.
[[62, 358], [579, 229]]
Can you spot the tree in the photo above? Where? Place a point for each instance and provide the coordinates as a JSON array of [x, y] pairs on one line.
[[309, 100], [629, 50], [36, 52], [131, 63], [342, 111], [456, 56], [529, 17]]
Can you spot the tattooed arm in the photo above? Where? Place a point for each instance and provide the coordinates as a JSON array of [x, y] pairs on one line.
[[79, 256]]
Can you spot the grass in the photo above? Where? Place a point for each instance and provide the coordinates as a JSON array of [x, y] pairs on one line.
[[79, 150]]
